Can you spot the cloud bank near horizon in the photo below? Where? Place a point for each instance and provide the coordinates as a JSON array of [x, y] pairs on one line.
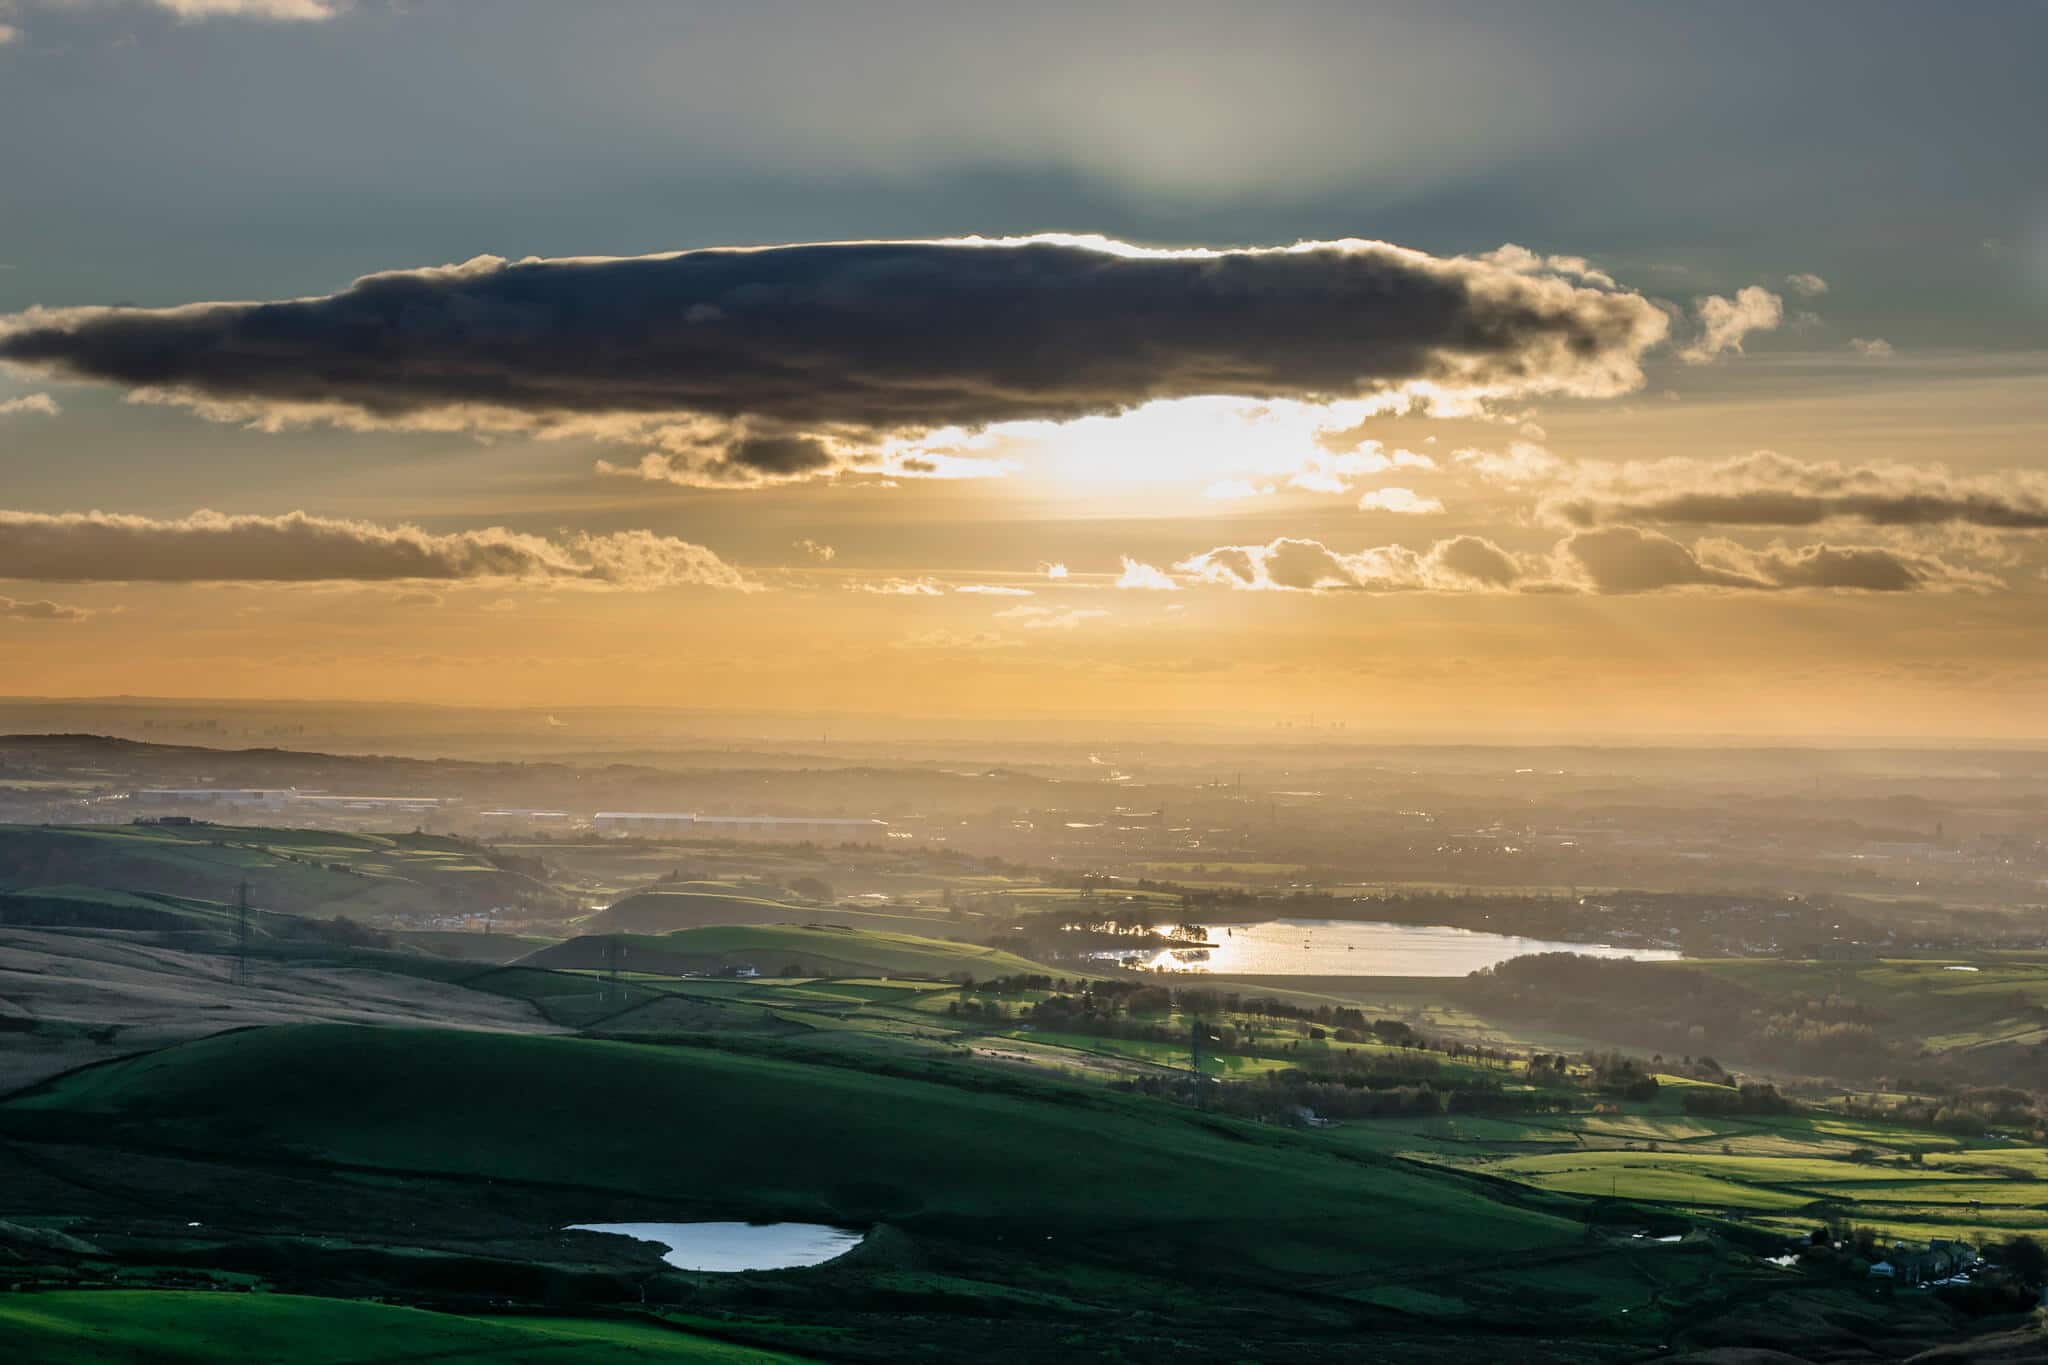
[[97, 547]]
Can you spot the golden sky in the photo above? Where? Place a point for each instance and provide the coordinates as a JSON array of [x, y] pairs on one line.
[[1765, 463]]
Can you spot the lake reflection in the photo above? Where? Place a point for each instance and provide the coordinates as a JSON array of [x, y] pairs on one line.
[[737, 1246], [1335, 947]]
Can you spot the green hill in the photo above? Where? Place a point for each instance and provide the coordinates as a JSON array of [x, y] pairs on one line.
[[695, 905], [92, 907], [815, 950], [180, 1328], [467, 946], [734, 1136], [297, 871]]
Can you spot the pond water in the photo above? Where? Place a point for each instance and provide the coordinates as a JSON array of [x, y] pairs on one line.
[[737, 1246], [1332, 947]]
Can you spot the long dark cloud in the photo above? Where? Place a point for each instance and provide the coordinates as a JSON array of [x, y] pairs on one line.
[[1609, 560], [82, 547], [1766, 489], [876, 336], [1628, 559]]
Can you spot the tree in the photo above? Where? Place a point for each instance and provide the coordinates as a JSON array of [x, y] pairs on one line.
[[2026, 1261]]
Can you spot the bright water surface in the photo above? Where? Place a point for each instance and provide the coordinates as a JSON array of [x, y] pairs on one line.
[[1333, 947], [737, 1246]]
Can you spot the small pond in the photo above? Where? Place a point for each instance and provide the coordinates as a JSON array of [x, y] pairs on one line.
[[737, 1246]]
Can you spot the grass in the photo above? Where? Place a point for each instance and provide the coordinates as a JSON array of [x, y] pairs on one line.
[[297, 871], [750, 1137], [157, 1327], [821, 951], [706, 904]]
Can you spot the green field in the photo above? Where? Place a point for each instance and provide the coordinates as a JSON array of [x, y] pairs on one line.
[[184, 1328], [819, 950], [295, 871], [845, 1144], [703, 904]]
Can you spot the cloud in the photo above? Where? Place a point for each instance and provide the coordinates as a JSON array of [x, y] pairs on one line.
[[13, 609], [823, 553], [41, 404], [299, 548], [1291, 564], [961, 641], [1875, 348], [1145, 577], [279, 11], [1766, 489], [1232, 490], [900, 587], [1524, 462], [1053, 570], [1047, 618], [1627, 559], [1806, 284], [1623, 559], [1724, 322], [770, 364], [994, 590], [1405, 501], [1334, 471], [1614, 560]]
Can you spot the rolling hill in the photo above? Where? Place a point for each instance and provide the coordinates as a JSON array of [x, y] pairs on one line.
[[771, 949], [754, 1137], [297, 871], [695, 905]]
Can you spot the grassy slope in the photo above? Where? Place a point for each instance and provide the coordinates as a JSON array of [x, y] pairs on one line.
[[748, 1137], [699, 904], [180, 1328], [298, 870], [101, 908], [467, 946], [769, 947], [2002, 999]]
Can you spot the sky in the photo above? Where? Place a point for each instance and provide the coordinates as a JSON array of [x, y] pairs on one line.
[[1444, 370]]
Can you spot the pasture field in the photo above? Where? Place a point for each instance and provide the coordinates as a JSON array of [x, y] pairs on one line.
[[455, 1103], [819, 949], [1786, 1171], [1984, 1002], [145, 1327], [296, 871], [668, 906], [1004, 1201]]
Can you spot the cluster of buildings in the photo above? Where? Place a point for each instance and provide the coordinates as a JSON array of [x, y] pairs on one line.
[[1939, 1261]]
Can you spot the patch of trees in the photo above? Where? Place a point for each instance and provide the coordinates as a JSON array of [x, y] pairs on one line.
[[1964, 1112], [1676, 1008], [1621, 1076], [1750, 1098]]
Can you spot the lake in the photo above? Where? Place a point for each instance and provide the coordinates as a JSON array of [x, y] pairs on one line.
[[737, 1246], [1335, 947]]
